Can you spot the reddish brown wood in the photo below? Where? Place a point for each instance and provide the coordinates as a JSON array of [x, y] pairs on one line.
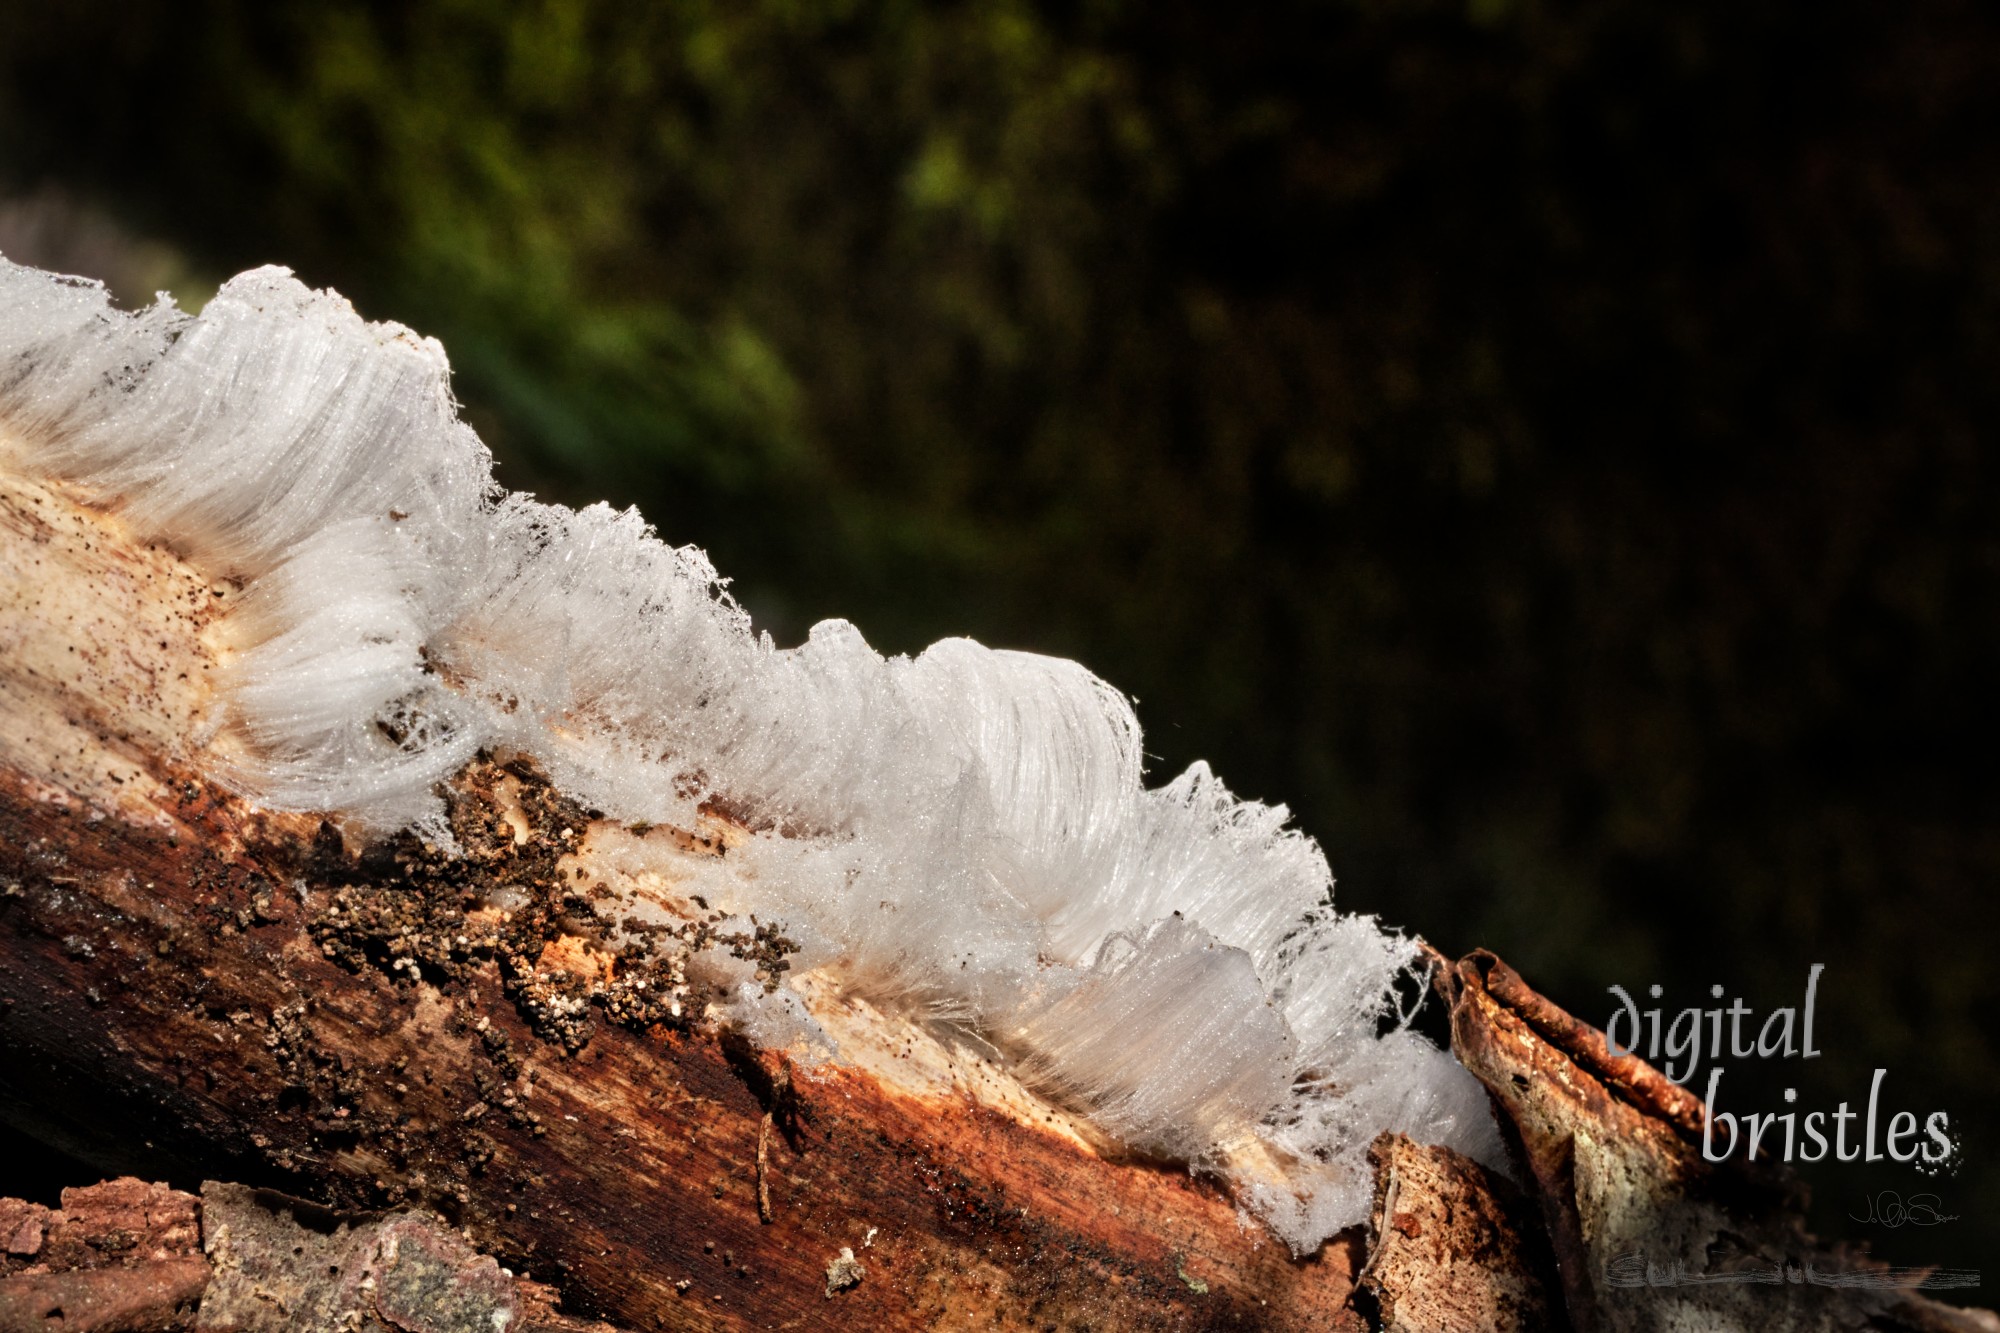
[[118, 1257], [199, 1013]]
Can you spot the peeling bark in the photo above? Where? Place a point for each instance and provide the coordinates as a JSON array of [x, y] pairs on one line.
[[1613, 1149], [401, 1273]]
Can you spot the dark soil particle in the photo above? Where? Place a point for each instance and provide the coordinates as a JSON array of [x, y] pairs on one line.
[[422, 911]]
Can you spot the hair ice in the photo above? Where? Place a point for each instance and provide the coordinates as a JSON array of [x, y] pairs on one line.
[[966, 832]]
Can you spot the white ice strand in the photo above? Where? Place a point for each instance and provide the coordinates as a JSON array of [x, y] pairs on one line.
[[239, 434], [330, 686], [1168, 1039]]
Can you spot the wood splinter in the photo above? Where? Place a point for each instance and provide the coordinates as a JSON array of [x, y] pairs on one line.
[[781, 1091]]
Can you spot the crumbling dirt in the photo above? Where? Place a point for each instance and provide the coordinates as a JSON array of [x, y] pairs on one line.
[[505, 893]]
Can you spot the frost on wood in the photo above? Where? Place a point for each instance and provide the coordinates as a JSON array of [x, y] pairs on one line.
[[966, 834]]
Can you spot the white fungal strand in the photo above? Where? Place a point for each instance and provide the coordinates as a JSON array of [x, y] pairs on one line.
[[966, 833]]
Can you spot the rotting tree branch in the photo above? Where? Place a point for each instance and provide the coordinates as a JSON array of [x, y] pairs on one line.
[[192, 986], [244, 993]]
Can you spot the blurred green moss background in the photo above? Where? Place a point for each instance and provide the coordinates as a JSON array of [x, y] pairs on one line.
[[1548, 446]]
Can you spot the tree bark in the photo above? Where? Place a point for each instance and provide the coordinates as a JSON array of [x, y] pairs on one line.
[[1647, 1234]]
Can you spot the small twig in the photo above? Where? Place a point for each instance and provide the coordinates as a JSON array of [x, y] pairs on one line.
[[781, 1092], [763, 1178]]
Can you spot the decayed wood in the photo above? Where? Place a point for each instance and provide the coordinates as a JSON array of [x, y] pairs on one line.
[[1455, 1247], [242, 993], [125, 1256], [190, 984], [1614, 1153], [404, 1272], [118, 1257]]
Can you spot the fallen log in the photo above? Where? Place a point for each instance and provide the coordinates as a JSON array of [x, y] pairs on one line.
[[196, 986], [251, 999]]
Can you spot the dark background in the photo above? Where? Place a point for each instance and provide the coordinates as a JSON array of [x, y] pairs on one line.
[[1548, 446]]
